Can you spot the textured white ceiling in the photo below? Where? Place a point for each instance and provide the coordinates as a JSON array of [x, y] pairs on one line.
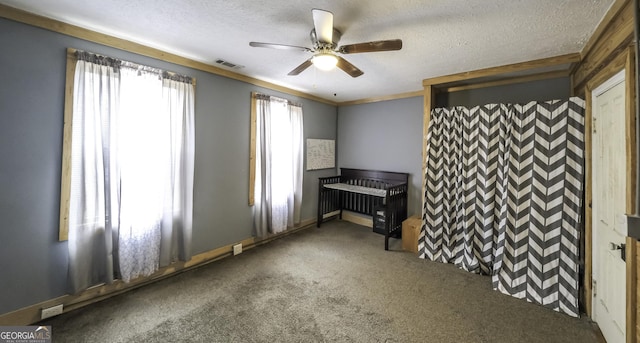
[[440, 37]]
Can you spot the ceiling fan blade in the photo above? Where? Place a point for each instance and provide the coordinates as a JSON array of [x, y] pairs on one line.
[[348, 67], [299, 69], [381, 45], [323, 24], [279, 46]]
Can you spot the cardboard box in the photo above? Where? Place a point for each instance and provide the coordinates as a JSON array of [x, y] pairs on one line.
[[410, 233]]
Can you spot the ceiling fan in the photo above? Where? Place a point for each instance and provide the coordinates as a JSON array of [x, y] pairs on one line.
[[324, 38]]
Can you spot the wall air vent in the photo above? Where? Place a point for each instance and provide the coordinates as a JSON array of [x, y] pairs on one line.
[[228, 64]]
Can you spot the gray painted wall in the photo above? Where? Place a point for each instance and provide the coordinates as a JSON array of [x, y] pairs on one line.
[[518, 93], [384, 136], [32, 69]]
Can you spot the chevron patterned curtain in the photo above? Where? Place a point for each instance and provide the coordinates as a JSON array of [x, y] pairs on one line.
[[503, 196]]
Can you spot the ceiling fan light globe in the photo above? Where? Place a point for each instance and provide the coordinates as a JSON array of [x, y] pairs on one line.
[[325, 61]]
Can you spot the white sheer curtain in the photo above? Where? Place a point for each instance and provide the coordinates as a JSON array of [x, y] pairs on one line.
[[132, 174], [179, 107], [262, 193], [143, 159], [297, 139], [93, 182], [278, 184]]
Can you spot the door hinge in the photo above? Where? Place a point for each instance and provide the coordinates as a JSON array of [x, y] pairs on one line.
[[594, 287], [623, 249]]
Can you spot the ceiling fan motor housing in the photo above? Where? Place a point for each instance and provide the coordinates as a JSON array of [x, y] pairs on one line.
[[320, 46]]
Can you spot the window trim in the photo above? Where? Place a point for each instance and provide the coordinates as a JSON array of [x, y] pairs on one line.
[[65, 182]]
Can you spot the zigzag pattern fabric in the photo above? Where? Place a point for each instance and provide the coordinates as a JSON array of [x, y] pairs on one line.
[[503, 196]]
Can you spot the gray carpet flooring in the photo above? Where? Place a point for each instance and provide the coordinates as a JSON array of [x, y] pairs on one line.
[[330, 284]]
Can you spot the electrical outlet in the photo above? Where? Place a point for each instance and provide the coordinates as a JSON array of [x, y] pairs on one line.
[[51, 311], [237, 249]]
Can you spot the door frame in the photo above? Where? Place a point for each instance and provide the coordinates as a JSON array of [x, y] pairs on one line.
[[616, 80], [625, 61]]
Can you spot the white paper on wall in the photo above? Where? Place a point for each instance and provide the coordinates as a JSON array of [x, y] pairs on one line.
[[321, 153]]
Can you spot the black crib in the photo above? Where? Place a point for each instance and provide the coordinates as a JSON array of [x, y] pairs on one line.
[[379, 194]]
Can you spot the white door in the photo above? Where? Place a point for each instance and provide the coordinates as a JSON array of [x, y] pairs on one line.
[[609, 226]]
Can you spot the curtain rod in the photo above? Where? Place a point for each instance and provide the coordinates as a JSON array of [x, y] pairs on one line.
[[261, 96], [165, 73]]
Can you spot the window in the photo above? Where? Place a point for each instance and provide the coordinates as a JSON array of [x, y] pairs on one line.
[[276, 168], [127, 187]]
